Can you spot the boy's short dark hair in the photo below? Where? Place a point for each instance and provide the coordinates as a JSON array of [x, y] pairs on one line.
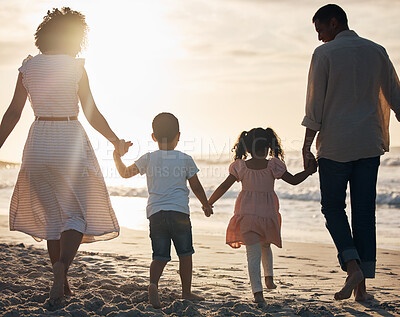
[[165, 127], [329, 11]]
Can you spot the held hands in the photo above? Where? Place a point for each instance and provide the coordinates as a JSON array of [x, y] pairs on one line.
[[308, 158], [207, 210], [121, 146], [312, 167]]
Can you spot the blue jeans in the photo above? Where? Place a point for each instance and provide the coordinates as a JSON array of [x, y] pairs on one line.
[[359, 241], [167, 225]]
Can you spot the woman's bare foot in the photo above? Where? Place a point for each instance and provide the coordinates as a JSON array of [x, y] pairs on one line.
[[192, 297], [258, 297], [269, 282], [154, 298], [352, 281], [57, 290], [360, 293], [67, 290]]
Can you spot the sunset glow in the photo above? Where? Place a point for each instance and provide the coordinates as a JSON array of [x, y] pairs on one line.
[[221, 67]]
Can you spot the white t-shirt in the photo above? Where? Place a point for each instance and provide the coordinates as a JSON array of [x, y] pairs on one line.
[[167, 172]]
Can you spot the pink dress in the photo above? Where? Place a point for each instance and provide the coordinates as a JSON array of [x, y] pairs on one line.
[[256, 217]]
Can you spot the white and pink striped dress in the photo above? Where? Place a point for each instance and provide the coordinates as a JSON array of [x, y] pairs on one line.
[[60, 185]]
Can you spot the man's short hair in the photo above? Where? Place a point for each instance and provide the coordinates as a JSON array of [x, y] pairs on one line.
[[165, 127], [329, 11]]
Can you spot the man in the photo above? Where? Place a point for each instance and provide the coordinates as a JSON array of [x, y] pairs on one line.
[[351, 87]]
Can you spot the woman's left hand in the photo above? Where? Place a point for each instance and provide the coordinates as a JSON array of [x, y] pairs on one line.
[[121, 146]]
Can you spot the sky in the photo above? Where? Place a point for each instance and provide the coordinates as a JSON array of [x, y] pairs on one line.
[[221, 66]]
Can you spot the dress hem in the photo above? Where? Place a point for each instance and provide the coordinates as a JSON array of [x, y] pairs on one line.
[[89, 237]]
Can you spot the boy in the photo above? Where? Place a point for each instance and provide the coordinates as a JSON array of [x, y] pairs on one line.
[[168, 205]]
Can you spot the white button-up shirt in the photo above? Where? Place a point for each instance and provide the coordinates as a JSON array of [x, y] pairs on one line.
[[351, 87]]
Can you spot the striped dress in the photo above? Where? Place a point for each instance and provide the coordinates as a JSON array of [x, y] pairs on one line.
[[60, 185]]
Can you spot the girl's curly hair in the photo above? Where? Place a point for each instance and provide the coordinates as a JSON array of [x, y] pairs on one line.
[[257, 140], [63, 30]]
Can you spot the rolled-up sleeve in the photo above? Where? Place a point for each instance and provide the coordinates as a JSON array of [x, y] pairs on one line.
[[316, 92], [395, 92]]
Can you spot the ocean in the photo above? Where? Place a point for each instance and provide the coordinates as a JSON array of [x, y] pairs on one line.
[[302, 220]]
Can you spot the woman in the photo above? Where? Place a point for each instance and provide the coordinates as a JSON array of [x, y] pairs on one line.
[[60, 194]]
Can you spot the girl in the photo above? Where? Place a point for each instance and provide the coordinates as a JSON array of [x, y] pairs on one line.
[[256, 221], [60, 194]]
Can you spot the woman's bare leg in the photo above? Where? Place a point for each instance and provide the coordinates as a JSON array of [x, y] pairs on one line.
[[53, 247], [66, 247]]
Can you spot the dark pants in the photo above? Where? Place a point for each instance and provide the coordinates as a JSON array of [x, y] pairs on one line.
[[359, 242]]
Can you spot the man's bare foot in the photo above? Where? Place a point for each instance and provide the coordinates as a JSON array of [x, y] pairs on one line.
[[360, 293], [67, 290], [269, 282], [192, 297], [57, 290], [258, 297], [154, 298], [352, 281]]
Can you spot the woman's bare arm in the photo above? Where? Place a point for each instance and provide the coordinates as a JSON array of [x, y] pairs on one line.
[[13, 113], [92, 113]]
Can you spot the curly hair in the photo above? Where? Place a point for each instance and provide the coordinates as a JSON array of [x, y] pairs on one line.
[[257, 140], [63, 30]]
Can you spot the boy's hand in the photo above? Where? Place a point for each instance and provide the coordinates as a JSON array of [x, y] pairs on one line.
[[122, 146], [207, 210]]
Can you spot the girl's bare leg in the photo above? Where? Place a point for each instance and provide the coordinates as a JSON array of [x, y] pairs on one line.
[[68, 246]]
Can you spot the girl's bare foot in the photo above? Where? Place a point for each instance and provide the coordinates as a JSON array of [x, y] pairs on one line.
[[57, 290], [154, 298], [269, 282], [258, 297], [192, 297], [360, 293], [352, 281]]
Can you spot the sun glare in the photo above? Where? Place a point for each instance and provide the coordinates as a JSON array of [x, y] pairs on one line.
[[137, 42]]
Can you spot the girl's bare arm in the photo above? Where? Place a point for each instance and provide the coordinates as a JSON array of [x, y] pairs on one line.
[[300, 177], [222, 189], [13, 113]]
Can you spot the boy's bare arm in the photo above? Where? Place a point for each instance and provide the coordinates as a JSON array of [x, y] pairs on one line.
[[123, 170], [198, 190]]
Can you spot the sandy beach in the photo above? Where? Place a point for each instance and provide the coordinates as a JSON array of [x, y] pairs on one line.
[[110, 279]]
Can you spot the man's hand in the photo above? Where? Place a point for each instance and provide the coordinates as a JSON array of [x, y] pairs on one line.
[[312, 167], [308, 158]]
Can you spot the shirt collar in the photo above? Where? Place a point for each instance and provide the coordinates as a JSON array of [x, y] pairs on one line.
[[346, 33]]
